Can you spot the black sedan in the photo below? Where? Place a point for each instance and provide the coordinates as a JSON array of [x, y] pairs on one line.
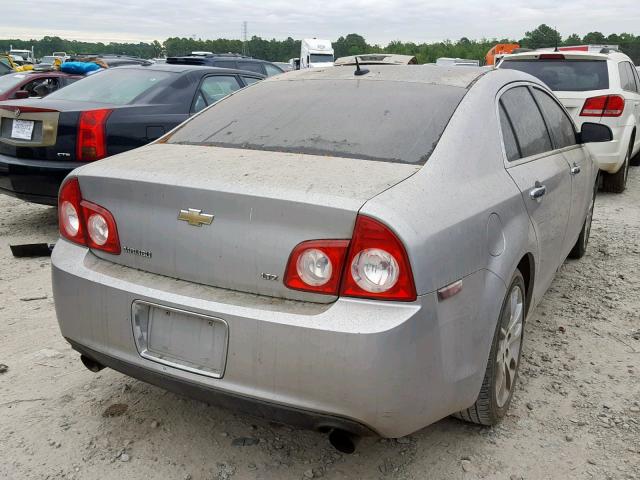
[[109, 112]]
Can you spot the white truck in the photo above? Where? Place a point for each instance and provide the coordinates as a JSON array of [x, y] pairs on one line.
[[315, 53]]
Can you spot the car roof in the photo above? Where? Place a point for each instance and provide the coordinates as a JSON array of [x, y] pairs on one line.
[[568, 54], [458, 76], [182, 68]]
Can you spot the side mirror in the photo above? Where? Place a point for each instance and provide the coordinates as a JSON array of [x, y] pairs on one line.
[[21, 94], [595, 132]]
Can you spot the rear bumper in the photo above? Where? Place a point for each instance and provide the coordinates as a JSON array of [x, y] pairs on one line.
[[35, 181], [610, 155], [382, 367]]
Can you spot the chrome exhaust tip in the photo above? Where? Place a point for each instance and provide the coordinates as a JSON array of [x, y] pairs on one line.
[[343, 441], [91, 364]]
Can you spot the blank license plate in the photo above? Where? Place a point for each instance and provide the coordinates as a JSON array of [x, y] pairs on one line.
[[184, 340], [22, 129]]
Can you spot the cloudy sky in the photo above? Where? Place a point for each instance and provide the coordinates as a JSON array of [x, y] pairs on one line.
[[379, 21]]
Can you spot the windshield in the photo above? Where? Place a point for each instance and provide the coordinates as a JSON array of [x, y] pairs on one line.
[[373, 120], [9, 82], [320, 57], [565, 75], [117, 86], [47, 59]]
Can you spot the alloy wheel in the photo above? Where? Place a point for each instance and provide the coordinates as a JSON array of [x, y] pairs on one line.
[[510, 341]]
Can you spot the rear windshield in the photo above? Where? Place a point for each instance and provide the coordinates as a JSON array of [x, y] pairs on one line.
[[118, 86], [367, 119], [565, 75], [8, 82]]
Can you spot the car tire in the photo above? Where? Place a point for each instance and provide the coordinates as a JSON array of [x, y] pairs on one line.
[[617, 182], [501, 374], [580, 248]]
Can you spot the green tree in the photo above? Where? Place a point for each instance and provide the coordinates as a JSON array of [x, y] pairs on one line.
[[543, 36], [594, 38], [573, 39]]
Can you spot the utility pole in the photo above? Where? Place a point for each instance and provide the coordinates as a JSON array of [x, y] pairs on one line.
[[244, 38]]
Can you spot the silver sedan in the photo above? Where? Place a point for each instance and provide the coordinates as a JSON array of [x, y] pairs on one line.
[[353, 251]]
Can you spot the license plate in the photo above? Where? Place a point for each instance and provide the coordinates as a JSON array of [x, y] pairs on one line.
[[180, 339], [22, 129]]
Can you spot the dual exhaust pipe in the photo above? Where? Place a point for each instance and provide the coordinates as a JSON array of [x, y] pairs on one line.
[[341, 440]]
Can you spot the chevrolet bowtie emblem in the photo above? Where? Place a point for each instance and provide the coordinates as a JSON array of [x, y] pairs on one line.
[[195, 217]]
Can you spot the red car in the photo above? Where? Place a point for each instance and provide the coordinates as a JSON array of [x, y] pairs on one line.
[[33, 84]]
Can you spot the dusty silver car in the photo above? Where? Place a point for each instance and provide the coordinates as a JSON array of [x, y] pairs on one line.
[[350, 253]]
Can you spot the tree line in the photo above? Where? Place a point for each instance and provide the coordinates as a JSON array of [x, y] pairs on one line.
[[352, 44]]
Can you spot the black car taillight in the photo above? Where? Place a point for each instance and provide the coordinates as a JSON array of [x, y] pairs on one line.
[[91, 143]]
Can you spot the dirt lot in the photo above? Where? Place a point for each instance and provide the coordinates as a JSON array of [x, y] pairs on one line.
[[576, 413]]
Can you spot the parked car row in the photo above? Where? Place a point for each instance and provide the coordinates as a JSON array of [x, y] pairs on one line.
[[299, 251], [122, 108]]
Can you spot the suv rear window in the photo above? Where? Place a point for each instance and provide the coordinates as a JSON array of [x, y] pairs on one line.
[[373, 120], [565, 75]]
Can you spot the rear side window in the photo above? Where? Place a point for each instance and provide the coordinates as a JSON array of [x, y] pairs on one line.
[[271, 69], [251, 67], [559, 124], [250, 80], [508, 137], [367, 119], [528, 124], [226, 64], [565, 75], [214, 88], [627, 77]]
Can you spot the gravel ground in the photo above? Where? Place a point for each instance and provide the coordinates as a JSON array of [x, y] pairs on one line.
[[576, 413]]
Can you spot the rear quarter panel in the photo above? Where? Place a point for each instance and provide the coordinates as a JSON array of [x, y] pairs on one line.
[[462, 217]]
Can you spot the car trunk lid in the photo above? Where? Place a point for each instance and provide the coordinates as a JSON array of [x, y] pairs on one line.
[[263, 204], [42, 129]]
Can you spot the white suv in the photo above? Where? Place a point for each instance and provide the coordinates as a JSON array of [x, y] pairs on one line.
[[601, 86]]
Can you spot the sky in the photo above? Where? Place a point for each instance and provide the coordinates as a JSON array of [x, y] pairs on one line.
[[378, 21]]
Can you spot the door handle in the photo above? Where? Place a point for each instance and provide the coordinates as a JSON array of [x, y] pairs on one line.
[[575, 169], [537, 192]]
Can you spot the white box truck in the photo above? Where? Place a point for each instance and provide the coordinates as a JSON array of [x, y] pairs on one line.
[[315, 53]]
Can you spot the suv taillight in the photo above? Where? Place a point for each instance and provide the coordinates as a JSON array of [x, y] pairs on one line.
[[84, 222], [374, 264], [91, 143], [603, 106]]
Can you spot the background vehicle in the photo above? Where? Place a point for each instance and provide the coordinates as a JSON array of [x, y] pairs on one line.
[[229, 60], [25, 56], [116, 110], [315, 53], [34, 84], [48, 62], [5, 67], [457, 62], [377, 59], [407, 294], [112, 60], [602, 87], [498, 51]]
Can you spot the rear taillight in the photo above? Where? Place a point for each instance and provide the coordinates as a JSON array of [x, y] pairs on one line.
[[316, 266], [91, 143], [374, 264], [85, 222], [377, 265], [603, 106]]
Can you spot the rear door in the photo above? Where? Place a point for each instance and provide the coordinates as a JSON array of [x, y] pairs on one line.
[[542, 175], [563, 136]]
